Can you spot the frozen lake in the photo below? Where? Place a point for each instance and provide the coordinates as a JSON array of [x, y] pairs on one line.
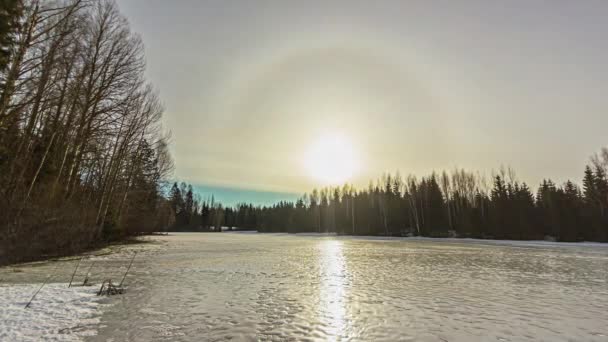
[[211, 287]]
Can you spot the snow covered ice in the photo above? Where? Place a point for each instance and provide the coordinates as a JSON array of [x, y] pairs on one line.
[[58, 313]]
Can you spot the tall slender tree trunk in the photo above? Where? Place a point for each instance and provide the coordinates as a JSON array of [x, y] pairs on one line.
[[29, 191]]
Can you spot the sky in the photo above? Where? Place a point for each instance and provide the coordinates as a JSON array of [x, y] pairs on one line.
[[252, 87]]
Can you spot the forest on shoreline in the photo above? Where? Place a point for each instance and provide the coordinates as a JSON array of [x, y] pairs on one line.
[[455, 204], [82, 153]]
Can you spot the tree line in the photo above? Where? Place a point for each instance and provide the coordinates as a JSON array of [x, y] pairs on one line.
[[455, 204], [82, 153], [192, 213]]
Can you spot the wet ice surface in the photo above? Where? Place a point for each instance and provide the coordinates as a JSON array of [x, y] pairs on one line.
[[273, 287], [215, 287]]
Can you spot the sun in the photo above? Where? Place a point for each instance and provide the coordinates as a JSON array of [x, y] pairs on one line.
[[331, 160]]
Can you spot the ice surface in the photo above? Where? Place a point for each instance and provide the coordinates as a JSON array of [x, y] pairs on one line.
[[276, 287], [279, 287]]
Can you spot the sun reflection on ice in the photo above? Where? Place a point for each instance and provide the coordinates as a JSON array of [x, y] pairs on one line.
[[333, 290]]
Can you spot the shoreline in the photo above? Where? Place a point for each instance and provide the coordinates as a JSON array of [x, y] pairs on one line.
[[415, 238], [87, 252]]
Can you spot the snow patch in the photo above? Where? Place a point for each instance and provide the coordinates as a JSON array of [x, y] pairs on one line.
[[58, 313]]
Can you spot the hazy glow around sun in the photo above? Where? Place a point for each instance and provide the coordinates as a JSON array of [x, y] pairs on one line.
[[331, 160]]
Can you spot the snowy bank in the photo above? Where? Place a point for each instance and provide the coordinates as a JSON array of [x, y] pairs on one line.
[[58, 313]]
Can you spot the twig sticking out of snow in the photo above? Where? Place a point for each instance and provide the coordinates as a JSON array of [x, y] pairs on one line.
[[41, 286], [103, 284], [109, 289], [86, 277], [73, 274], [128, 268]]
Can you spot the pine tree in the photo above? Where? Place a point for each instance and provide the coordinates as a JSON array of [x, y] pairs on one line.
[[435, 213], [178, 205], [205, 215], [589, 186], [525, 226], [601, 188], [189, 205]]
